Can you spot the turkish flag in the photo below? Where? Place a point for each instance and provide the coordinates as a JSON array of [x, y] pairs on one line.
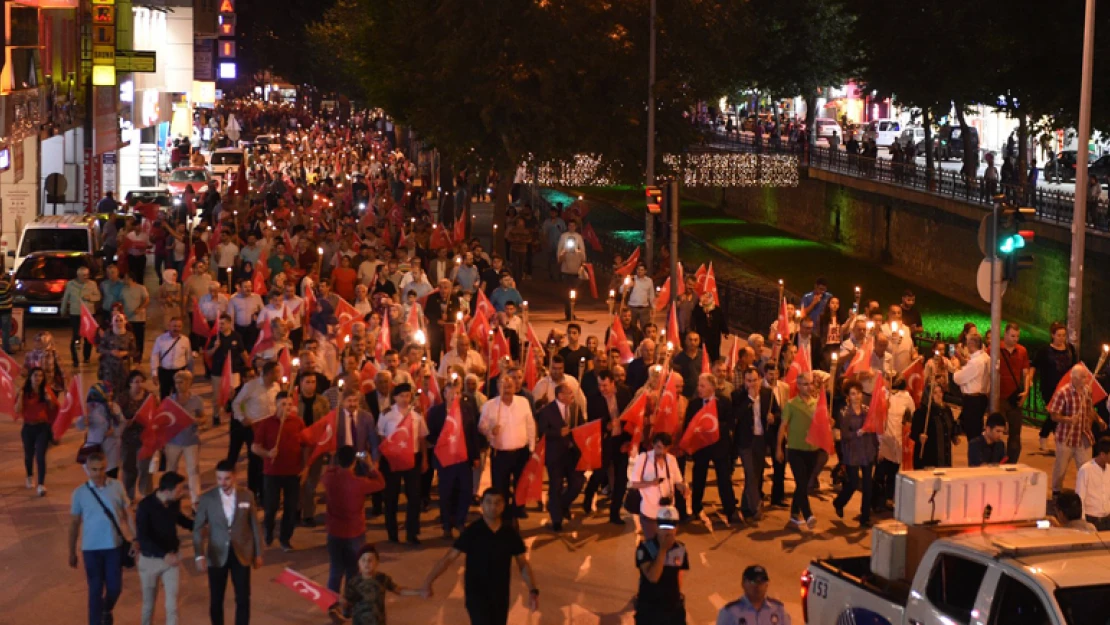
[[704, 428], [148, 210], [451, 445], [225, 381], [733, 354], [783, 324], [664, 296], [321, 436], [820, 428], [633, 418], [89, 326], [877, 409], [699, 279], [72, 406], [366, 377], [914, 375], [666, 414], [307, 589], [484, 308], [200, 324], [258, 282], [309, 304], [629, 266], [533, 338], [187, 270], [530, 372], [618, 340], [416, 319], [799, 366], [588, 440], [710, 285], [862, 360], [498, 349], [529, 487], [9, 366], [8, 395], [672, 328], [440, 238], [479, 331], [459, 231], [166, 422], [286, 363], [681, 281], [589, 267], [1098, 393], [590, 237], [263, 343], [397, 447], [706, 366], [346, 313], [385, 343]]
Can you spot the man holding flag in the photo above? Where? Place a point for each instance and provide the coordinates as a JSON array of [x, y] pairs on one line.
[[797, 415], [404, 451], [554, 424], [453, 435], [229, 358], [710, 423], [607, 406], [79, 293], [278, 441]]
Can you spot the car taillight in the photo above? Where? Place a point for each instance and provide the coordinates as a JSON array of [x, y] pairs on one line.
[[56, 286], [806, 579]]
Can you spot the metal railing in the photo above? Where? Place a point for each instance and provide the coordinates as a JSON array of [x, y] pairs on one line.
[[1051, 205]]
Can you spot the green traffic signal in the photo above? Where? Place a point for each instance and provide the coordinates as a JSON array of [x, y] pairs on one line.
[[1009, 243]]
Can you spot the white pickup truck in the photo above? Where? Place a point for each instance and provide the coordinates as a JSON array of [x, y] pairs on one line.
[[1011, 567]]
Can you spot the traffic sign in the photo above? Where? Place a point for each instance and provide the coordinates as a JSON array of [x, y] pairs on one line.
[[983, 279]]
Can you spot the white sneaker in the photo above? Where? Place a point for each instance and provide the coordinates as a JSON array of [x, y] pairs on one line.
[[42, 491], [1044, 444], [30, 483], [811, 522]]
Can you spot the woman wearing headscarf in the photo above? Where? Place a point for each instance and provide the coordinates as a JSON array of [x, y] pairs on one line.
[[103, 425], [933, 431], [118, 349], [169, 295]]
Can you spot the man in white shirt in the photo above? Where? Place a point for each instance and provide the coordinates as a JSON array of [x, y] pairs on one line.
[[974, 379], [901, 342], [508, 424], [294, 309], [243, 306], [470, 360], [545, 390], [1092, 484], [640, 291], [272, 310], [900, 409], [388, 423], [171, 353]]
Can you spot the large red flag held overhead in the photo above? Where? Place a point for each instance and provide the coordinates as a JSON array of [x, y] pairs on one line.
[[629, 266], [588, 440], [704, 428]]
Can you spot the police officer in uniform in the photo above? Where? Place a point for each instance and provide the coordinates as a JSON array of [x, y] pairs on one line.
[[754, 607]]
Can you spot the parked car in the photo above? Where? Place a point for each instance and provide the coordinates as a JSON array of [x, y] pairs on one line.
[[41, 279], [826, 126], [57, 233], [948, 142], [884, 132], [195, 177], [226, 161], [149, 195], [913, 135], [270, 143]]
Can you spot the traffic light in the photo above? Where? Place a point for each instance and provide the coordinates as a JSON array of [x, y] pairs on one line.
[[654, 200], [1014, 241]]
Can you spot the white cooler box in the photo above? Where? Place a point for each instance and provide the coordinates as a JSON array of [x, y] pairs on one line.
[[958, 496], [888, 549]]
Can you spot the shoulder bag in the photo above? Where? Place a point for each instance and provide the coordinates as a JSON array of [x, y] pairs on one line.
[[125, 557]]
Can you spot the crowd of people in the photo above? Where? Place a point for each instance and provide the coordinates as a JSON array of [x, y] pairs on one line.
[[364, 349]]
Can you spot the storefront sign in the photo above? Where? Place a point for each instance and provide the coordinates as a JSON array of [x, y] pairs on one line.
[[136, 61], [108, 169]]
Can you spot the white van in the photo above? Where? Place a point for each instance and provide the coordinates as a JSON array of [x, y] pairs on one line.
[[57, 233], [884, 132], [226, 161]]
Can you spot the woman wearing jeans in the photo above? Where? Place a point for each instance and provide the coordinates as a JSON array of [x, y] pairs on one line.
[[859, 449], [134, 469], [656, 475], [797, 415], [37, 406]]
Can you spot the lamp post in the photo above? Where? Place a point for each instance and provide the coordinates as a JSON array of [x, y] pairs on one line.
[[1079, 216], [649, 219]]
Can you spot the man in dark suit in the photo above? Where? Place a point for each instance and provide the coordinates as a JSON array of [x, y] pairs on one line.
[[554, 424], [719, 453], [234, 542], [636, 374], [606, 406], [804, 339], [756, 410], [456, 483], [440, 310]]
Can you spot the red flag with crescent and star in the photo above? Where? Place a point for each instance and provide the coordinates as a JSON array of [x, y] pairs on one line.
[[588, 440], [321, 436], [673, 336], [590, 237], [450, 447], [397, 447], [633, 418], [704, 428], [7, 395], [699, 279], [366, 377], [820, 428], [166, 422], [416, 319], [875, 421], [72, 406], [200, 324], [533, 338], [88, 324], [618, 340], [498, 349], [258, 282], [666, 415], [589, 267], [914, 375], [529, 488], [321, 596], [710, 285], [484, 308], [799, 366], [1098, 394], [861, 361], [629, 266], [459, 232], [664, 296], [706, 366], [530, 372], [345, 312], [9, 365], [782, 326], [479, 331], [440, 238]]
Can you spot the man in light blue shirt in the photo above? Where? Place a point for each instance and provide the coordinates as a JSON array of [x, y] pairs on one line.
[[466, 274], [97, 507], [505, 293], [814, 302]]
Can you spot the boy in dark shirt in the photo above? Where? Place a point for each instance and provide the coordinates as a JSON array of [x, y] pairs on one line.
[[988, 448], [156, 521]]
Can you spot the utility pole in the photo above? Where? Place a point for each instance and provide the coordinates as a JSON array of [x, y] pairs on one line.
[[1079, 215], [996, 310], [649, 219]]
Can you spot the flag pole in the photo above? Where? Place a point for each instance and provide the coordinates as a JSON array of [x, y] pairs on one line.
[[928, 415]]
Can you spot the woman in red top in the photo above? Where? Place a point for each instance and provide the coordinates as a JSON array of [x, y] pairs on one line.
[[37, 405], [343, 279]]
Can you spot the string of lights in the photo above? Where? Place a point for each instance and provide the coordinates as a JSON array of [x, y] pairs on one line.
[[707, 169]]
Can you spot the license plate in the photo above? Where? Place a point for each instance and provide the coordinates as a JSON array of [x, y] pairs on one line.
[[43, 310]]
